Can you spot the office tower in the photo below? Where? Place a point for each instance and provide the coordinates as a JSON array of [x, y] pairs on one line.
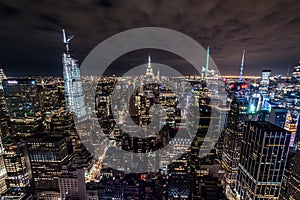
[[255, 104], [291, 124], [3, 109], [103, 104], [72, 183], [196, 157], [3, 115], [278, 116], [82, 157], [3, 174], [210, 187], [265, 78], [292, 191], [296, 73], [232, 141], [223, 115], [17, 163], [48, 154], [179, 178], [52, 96], [62, 122], [72, 80], [3, 133], [24, 107], [112, 182], [263, 159], [2, 76]]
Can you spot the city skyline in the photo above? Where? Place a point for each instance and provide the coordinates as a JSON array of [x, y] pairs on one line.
[[267, 30], [168, 100]]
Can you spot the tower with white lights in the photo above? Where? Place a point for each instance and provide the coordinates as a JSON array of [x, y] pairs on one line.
[[72, 81], [3, 174], [149, 70]]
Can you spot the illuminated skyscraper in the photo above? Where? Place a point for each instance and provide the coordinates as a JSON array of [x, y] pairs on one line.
[[48, 154], [290, 125], [73, 86], [296, 73], [149, 70], [2, 76], [292, 183], [17, 163], [265, 77], [24, 106], [3, 108], [3, 123], [232, 140], [264, 153], [3, 174], [179, 180]]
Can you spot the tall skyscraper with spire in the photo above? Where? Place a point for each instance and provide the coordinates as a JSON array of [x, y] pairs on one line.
[[149, 70], [73, 87]]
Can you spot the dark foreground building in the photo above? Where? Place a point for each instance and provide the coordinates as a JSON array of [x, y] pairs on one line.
[[264, 153]]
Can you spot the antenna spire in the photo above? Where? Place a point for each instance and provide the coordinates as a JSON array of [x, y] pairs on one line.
[[207, 62], [242, 67], [66, 39], [149, 60]]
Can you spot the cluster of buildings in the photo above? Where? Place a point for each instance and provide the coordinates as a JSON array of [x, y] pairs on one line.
[[261, 137], [243, 147]]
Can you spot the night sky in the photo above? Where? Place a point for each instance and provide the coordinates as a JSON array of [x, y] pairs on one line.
[[269, 30]]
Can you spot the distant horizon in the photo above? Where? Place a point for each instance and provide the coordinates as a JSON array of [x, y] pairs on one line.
[[268, 31], [9, 72]]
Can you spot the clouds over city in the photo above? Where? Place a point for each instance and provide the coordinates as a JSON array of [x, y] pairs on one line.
[[268, 30]]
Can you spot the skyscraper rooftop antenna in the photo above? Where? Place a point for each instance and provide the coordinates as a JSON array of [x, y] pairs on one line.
[[207, 62], [66, 39], [242, 67], [149, 60], [288, 71]]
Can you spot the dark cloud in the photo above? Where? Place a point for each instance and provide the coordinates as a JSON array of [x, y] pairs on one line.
[[268, 30]]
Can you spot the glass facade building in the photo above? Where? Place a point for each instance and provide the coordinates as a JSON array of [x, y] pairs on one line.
[[264, 153], [23, 105], [48, 154], [17, 163], [232, 140], [73, 86]]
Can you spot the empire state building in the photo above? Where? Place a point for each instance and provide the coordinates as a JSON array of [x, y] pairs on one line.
[[72, 81], [149, 70]]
